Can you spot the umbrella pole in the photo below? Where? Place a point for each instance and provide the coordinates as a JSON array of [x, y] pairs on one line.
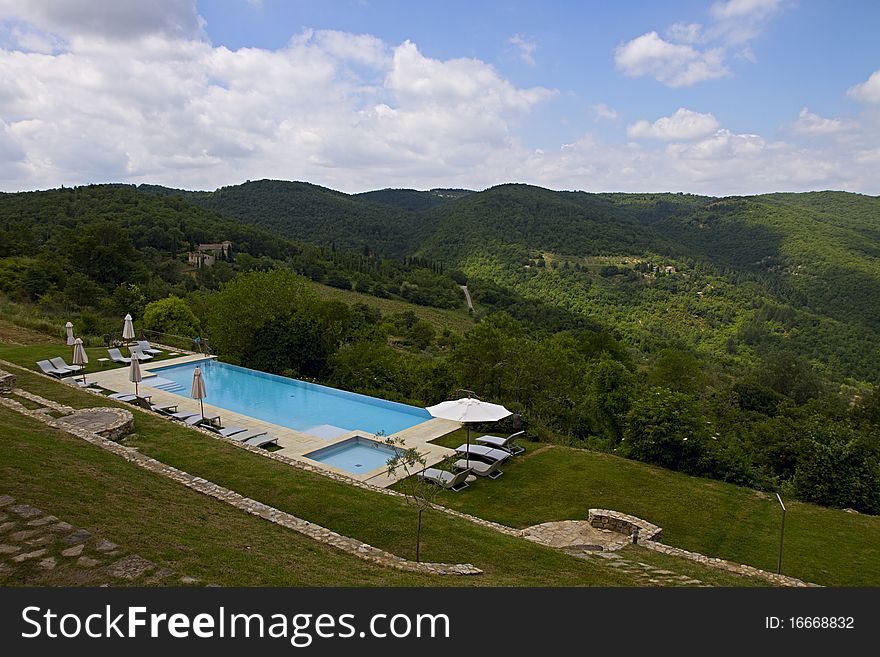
[[135, 388], [468, 457], [202, 406]]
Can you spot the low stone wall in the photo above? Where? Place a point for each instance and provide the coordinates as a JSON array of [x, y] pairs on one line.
[[623, 523], [345, 543], [106, 421], [730, 566], [7, 381], [650, 536]]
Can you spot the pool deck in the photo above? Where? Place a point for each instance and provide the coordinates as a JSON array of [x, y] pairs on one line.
[[293, 444]]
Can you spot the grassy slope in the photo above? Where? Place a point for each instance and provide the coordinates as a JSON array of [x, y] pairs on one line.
[[822, 545], [455, 320], [374, 518]]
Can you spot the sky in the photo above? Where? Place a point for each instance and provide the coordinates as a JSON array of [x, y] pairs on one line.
[[714, 97]]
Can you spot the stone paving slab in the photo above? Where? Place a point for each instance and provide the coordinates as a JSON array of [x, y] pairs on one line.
[[37, 544]]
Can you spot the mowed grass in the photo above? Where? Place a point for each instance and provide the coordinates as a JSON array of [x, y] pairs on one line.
[[458, 320], [163, 521], [549, 482], [116, 503], [28, 355]]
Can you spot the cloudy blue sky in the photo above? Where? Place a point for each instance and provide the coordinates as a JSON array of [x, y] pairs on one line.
[[714, 96]]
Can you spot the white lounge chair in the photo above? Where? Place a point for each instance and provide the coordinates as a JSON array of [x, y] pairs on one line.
[[483, 452], [51, 370], [141, 355], [445, 479], [491, 470], [165, 409], [507, 444], [261, 440], [58, 363], [225, 431], [117, 357], [147, 348]]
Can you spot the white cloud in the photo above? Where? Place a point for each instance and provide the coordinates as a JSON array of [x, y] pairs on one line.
[[606, 113], [119, 19], [353, 113], [682, 125], [693, 53], [868, 91], [685, 32], [673, 64], [526, 47], [809, 123]]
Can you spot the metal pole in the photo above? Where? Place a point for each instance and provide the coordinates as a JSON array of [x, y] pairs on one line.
[[781, 536]]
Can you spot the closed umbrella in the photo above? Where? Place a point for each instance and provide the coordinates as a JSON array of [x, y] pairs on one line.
[[198, 389], [134, 372], [69, 328], [468, 409], [128, 329], [80, 357]]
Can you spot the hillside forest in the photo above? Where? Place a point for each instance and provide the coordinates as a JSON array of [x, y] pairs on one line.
[[734, 338]]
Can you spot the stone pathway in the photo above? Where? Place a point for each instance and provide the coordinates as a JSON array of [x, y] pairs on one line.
[[645, 573], [575, 534], [38, 549], [580, 539]]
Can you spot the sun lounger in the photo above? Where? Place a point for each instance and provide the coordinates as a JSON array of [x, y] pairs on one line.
[[484, 452], [241, 437], [141, 355], [183, 415], [117, 357], [165, 409], [491, 470], [263, 440], [225, 431], [51, 370], [507, 444], [147, 348], [445, 479], [58, 363], [123, 396], [198, 419]]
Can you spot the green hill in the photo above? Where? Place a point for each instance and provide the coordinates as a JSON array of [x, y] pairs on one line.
[[311, 213]]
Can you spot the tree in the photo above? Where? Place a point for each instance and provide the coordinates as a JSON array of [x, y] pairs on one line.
[[666, 428], [105, 252], [127, 299], [81, 290], [607, 399], [419, 492], [837, 468], [250, 301], [171, 315]]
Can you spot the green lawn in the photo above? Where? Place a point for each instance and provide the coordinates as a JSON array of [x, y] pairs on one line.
[[60, 468], [27, 356], [458, 320], [822, 545]]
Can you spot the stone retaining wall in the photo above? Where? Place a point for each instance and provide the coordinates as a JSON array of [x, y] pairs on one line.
[[730, 566], [623, 523], [650, 536], [7, 381], [346, 544]]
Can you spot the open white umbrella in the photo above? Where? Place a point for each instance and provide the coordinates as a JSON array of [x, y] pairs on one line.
[[80, 357], [198, 389], [128, 329], [468, 409], [134, 372], [69, 328]]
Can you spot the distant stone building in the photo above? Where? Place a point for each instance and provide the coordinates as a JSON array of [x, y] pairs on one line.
[[206, 255]]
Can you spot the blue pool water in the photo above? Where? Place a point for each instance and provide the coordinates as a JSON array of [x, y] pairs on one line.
[[306, 407], [357, 455]]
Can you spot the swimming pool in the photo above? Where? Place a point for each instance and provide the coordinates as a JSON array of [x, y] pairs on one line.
[[306, 407], [357, 455]]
